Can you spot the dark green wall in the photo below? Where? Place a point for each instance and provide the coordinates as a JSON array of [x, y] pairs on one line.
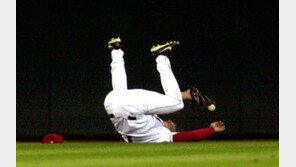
[[229, 50]]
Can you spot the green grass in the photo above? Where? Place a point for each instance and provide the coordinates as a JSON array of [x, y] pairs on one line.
[[204, 154]]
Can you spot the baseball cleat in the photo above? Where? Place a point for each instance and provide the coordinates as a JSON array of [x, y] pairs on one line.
[[114, 43], [202, 100], [162, 49]]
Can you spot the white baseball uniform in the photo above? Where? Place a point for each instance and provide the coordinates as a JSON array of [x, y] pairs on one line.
[[133, 112]]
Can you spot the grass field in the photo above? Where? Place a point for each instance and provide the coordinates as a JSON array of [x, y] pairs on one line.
[[204, 154]]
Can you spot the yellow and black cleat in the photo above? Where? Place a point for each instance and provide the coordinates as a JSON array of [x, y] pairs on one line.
[[114, 43], [163, 49]]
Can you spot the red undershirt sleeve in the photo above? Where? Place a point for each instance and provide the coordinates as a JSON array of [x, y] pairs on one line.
[[195, 135]]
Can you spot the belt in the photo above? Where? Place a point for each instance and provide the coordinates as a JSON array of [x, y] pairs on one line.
[[129, 117], [129, 139]]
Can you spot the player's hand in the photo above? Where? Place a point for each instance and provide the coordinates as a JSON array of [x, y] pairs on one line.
[[218, 126], [170, 125]]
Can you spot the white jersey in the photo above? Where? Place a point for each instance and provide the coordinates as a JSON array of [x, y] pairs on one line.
[[133, 112], [132, 119]]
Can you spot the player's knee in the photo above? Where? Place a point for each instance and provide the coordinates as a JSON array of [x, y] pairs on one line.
[[180, 106]]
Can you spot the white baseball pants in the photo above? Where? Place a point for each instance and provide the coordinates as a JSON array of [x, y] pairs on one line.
[[155, 103]]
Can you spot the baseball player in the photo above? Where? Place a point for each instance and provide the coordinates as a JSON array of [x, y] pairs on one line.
[[134, 112]]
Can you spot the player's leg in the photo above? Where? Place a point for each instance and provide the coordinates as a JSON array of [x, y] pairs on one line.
[[119, 79], [169, 83], [172, 100], [150, 102], [167, 78], [199, 134]]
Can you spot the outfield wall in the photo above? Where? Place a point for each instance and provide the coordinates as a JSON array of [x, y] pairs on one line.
[[229, 50]]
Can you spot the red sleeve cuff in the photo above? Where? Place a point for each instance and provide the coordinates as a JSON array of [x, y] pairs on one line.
[[212, 130]]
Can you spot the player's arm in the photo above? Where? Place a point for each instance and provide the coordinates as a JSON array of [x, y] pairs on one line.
[[199, 134], [170, 125]]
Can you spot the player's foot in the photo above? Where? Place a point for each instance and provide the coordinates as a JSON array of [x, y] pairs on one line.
[[163, 49], [201, 100], [114, 43]]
